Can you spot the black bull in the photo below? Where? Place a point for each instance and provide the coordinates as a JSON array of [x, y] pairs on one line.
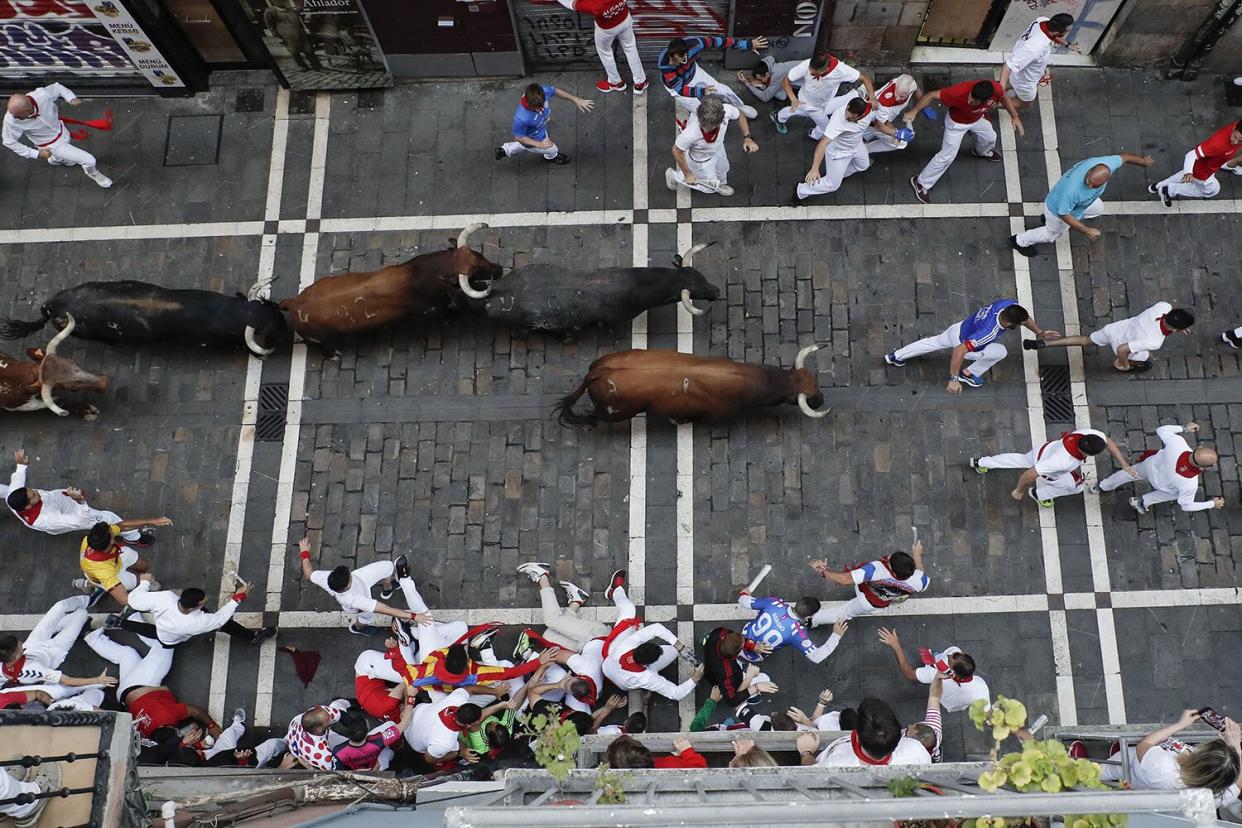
[[554, 298], [129, 312]]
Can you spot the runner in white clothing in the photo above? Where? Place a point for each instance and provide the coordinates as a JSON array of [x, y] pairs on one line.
[[37, 660], [1132, 339], [352, 590], [633, 659], [841, 150], [877, 584], [35, 116], [1052, 470], [962, 687], [699, 151], [891, 100], [1027, 65], [60, 511], [1173, 472], [820, 77]]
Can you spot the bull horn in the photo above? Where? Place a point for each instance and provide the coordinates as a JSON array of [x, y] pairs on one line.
[[800, 359], [689, 257], [688, 304], [60, 337], [465, 234], [464, 281], [46, 393], [254, 346], [258, 286], [808, 411]]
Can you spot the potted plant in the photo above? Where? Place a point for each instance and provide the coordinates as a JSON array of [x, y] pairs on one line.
[[556, 751], [1041, 765], [906, 786], [610, 784]]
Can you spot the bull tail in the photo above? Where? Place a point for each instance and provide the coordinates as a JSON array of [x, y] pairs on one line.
[[17, 329], [564, 410]]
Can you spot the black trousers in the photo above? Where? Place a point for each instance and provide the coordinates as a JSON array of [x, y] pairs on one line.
[[230, 627]]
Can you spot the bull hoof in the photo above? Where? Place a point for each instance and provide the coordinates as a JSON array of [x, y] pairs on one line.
[[90, 414]]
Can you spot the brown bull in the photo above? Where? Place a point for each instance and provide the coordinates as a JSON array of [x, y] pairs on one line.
[[686, 387], [28, 386], [354, 303]]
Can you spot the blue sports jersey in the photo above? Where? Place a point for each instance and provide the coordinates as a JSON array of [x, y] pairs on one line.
[[983, 327], [528, 124], [775, 625]]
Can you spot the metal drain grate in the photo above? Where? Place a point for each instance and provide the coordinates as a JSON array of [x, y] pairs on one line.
[[269, 424], [1054, 387]]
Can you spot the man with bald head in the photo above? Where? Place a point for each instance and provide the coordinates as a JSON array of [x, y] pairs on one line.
[[35, 116], [1076, 197], [1172, 471]]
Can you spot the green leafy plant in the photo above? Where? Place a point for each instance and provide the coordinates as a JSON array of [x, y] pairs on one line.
[[556, 746], [610, 784], [1041, 766]]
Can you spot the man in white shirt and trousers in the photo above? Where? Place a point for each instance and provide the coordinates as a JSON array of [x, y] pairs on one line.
[[841, 152], [1173, 472], [1027, 65], [36, 117], [699, 151], [629, 649]]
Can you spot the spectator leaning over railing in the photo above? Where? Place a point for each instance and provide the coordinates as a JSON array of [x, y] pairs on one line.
[[1162, 762]]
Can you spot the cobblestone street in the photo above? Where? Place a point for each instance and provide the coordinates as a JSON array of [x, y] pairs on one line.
[[436, 438]]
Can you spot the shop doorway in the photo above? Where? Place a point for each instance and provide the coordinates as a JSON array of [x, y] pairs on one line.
[[996, 24], [201, 24]]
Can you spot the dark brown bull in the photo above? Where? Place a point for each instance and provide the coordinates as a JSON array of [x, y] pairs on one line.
[[28, 386], [354, 303], [687, 387]]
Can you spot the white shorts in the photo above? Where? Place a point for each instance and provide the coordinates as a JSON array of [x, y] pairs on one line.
[[1023, 92], [1113, 335]]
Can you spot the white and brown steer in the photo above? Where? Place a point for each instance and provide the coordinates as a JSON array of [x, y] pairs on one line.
[[28, 386]]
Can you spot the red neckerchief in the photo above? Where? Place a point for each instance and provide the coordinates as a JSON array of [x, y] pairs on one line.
[[111, 554], [862, 755], [1070, 439], [33, 105], [832, 64], [448, 718], [961, 681], [628, 663], [1043, 27], [1186, 467], [888, 96], [866, 111], [1164, 329], [710, 137], [591, 696], [618, 628], [14, 670], [526, 106], [31, 513]]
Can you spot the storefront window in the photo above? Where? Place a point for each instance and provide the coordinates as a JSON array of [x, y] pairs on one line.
[[202, 26], [61, 37]]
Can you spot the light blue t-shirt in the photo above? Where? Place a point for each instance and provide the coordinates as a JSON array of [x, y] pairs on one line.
[[1071, 194]]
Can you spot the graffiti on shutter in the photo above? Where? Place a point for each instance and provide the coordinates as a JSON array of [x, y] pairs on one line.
[[553, 36]]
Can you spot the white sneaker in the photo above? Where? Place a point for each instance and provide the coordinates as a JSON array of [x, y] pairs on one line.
[[575, 593], [239, 716], [1236, 170], [749, 111], [670, 179], [1137, 505], [100, 179], [533, 570], [724, 190], [48, 779], [1237, 81]]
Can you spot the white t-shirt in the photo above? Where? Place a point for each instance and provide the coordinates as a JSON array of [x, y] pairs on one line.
[[699, 149], [427, 734], [840, 754], [956, 695], [817, 92], [1142, 333], [1158, 770], [174, 626], [355, 599], [1053, 459], [1029, 59], [846, 135]]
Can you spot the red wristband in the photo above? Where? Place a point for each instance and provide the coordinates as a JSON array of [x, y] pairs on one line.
[[239, 597], [304, 554]]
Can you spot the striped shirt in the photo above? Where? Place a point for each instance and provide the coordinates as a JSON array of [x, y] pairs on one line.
[[676, 76]]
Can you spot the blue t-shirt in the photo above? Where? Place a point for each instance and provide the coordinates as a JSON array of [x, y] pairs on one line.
[[775, 625], [534, 125], [983, 326], [1071, 194]]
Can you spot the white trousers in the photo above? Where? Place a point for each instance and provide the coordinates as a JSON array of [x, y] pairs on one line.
[[980, 361], [10, 788], [512, 148], [371, 574], [268, 750], [372, 664], [1121, 477], [1045, 488], [227, 740], [1054, 228], [65, 154], [818, 114], [564, 627], [701, 78], [985, 142], [853, 608], [835, 171], [133, 670], [714, 169], [1192, 189], [59, 628], [623, 34]]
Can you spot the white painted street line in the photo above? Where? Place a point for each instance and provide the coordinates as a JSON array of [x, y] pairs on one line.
[[456, 222], [278, 560], [126, 232], [636, 557], [1067, 709], [683, 490], [1096, 545], [245, 442]]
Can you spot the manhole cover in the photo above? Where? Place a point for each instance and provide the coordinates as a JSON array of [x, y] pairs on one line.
[[1054, 387], [193, 140], [269, 426], [250, 99]]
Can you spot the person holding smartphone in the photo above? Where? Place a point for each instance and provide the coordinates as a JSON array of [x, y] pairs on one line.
[[1163, 762]]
